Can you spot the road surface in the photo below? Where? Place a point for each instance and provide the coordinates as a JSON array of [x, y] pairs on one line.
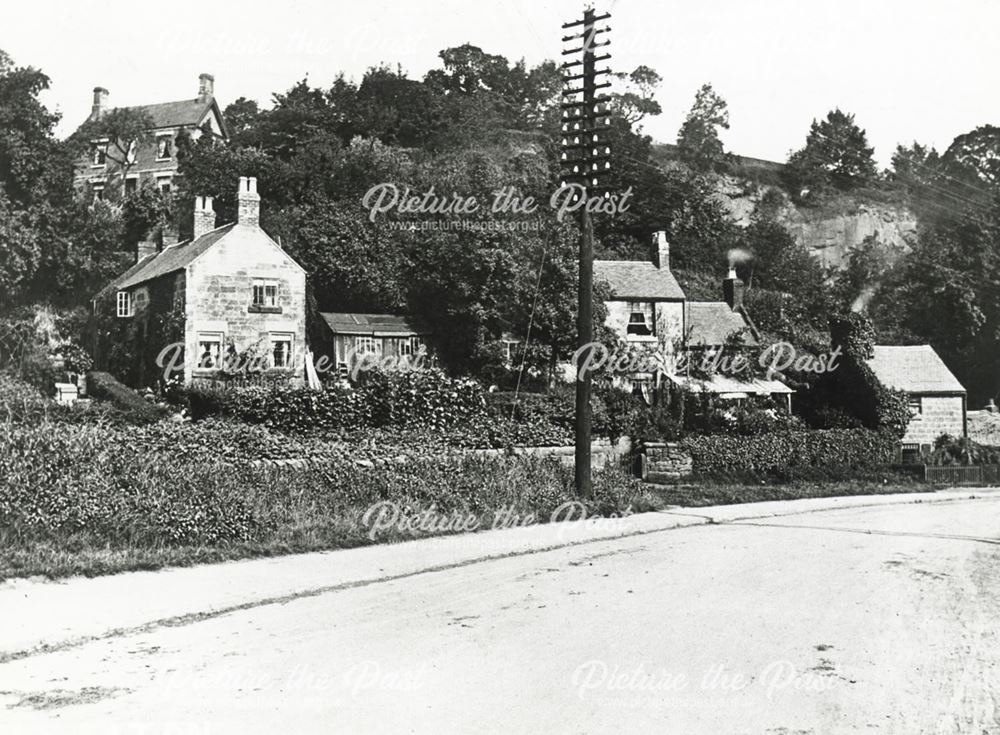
[[878, 619]]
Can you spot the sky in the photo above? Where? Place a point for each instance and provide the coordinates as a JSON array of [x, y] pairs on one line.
[[922, 70]]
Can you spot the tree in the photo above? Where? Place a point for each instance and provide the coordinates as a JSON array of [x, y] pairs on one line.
[[698, 143], [836, 154], [636, 101], [126, 129]]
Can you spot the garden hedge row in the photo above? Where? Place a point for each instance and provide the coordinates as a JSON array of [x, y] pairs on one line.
[[131, 494], [427, 398], [778, 452]]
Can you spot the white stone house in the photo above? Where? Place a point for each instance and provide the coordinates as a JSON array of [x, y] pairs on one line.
[[230, 290]]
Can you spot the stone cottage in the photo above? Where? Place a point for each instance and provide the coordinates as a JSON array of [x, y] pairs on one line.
[[155, 161], [648, 309], [937, 400], [229, 294]]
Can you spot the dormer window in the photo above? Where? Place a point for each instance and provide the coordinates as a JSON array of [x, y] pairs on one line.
[[126, 304], [164, 148], [641, 319]]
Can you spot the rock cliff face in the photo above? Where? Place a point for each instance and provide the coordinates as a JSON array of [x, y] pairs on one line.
[[830, 237], [829, 231]]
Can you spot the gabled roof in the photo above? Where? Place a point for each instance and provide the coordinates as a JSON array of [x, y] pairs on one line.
[[170, 259], [711, 323], [173, 114], [188, 112], [637, 279], [371, 324], [914, 369]]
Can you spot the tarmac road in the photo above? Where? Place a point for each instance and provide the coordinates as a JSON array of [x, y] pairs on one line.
[[870, 619]]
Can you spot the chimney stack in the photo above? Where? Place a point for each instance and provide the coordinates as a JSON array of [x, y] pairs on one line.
[[144, 249], [100, 103], [733, 289], [204, 216], [169, 236], [206, 87], [661, 250], [249, 202]]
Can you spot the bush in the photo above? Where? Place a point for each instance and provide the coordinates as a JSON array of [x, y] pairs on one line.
[[132, 406], [777, 453], [420, 398], [951, 450], [146, 489]]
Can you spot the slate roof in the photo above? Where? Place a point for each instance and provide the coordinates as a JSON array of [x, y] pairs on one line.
[[181, 113], [173, 114], [711, 323], [170, 259], [914, 369], [371, 324], [637, 279]]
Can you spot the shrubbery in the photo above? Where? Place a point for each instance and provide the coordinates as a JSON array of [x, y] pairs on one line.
[[127, 495], [960, 450], [425, 398], [131, 405], [777, 452]]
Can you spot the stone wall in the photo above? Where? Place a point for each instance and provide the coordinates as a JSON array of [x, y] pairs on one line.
[[602, 452], [940, 415], [665, 462]]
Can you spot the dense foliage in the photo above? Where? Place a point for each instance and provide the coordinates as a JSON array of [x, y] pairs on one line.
[[778, 452]]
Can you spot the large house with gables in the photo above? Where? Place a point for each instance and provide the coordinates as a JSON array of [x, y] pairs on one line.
[[154, 162]]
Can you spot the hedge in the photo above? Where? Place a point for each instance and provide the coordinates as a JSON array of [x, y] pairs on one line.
[[778, 452], [126, 495], [105, 387], [427, 398]]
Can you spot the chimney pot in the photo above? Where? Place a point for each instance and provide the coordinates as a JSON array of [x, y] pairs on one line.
[[248, 201], [206, 87], [661, 250], [204, 216], [733, 289]]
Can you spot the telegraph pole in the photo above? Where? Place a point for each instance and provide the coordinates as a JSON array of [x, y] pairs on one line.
[[585, 160]]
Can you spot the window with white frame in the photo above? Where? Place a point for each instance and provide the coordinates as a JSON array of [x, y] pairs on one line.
[[281, 350], [265, 293], [125, 304], [164, 148], [409, 346], [99, 153], [131, 185], [641, 318], [210, 350], [164, 184], [365, 346], [916, 405], [97, 190]]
